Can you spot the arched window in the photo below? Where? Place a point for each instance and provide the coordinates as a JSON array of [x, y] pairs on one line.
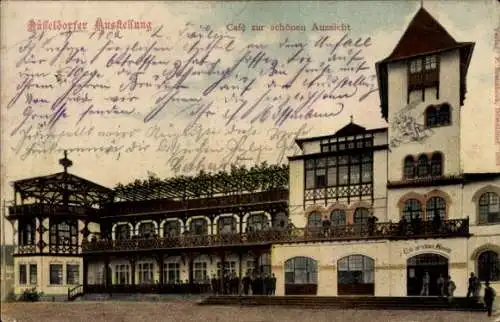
[[146, 229], [444, 115], [226, 225], [409, 167], [361, 216], [338, 217], [301, 270], [314, 221], [122, 232], [171, 228], [488, 266], [489, 208], [436, 116], [431, 116], [198, 226], [257, 222], [436, 164], [412, 209], [423, 166], [436, 206], [356, 275]]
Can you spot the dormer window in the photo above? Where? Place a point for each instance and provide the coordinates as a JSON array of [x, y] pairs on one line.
[[423, 74]]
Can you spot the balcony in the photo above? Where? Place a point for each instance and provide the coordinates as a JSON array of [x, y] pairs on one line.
[[393, 231], [39, 209]]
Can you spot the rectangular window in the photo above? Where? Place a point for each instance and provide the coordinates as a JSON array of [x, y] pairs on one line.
[[22, 274], [229, 268], [33, 274], [172, 273], [250, 267], [56, 274], [72, 274], [430, 62], [200, 272], [343, 175], [145, 273], [320, 181], [416, 66], [310, 179], [122, 274]]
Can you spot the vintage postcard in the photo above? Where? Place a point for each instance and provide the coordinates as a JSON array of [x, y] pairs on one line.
[[171, 156]]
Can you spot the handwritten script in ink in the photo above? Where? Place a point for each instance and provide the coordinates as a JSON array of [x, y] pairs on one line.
[[200, 97]]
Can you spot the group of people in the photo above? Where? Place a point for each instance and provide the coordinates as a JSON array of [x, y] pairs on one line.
[[474, 286], [256, 284], [445, 285], [446, 288]]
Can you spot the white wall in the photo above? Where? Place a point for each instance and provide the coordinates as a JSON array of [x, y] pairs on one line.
[[444, 139]]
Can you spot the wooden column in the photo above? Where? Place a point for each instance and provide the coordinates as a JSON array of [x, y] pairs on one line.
[[85, 273], [161, 265], [240, 272], [222, 256], [107, 279], [132, 269], [190, 268]]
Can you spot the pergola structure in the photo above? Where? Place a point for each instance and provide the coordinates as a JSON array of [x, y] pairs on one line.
[[239, 180]]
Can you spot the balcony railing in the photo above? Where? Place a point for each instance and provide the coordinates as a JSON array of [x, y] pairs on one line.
[[446, 228]]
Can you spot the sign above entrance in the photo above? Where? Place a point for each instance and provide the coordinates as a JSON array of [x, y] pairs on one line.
[[439, 247]]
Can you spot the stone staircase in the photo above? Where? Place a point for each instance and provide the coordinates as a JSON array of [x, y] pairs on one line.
[[351, 302]]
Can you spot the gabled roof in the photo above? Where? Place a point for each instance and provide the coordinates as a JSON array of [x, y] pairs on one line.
[[350, 129], [423, 36], [50, 188]]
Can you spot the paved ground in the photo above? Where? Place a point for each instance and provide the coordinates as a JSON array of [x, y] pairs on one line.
[[178, 310]]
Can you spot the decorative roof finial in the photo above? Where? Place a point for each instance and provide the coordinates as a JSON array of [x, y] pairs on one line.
[[65, 162], [352, 119], [421, 3]]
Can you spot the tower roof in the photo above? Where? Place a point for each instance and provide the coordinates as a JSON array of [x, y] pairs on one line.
[[423, 36]]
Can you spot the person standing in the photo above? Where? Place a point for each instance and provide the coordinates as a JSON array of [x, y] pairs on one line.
[[246, 284], [425, 284], [273, 284], [471, 289], [451, 289], [489, 297], [440, 285]]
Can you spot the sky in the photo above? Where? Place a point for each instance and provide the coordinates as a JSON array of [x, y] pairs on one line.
[[383, 21]]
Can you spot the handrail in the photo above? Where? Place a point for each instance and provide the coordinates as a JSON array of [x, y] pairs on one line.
[[74, 292], [425, 229]]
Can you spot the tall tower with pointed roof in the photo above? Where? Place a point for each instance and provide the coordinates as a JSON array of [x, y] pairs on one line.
[[422, 86]]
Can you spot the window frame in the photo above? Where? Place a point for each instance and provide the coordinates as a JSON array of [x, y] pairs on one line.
[[72, 274], [23, 279], [33, 278], [488, 265], [56, 277], [408, 211], [435, 204], [308, 268], [484, 217]]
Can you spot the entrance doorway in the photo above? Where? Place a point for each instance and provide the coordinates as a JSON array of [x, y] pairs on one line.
[[434, 264]]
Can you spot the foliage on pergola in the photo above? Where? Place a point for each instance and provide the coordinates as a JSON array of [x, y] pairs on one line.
[[238, 180]]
